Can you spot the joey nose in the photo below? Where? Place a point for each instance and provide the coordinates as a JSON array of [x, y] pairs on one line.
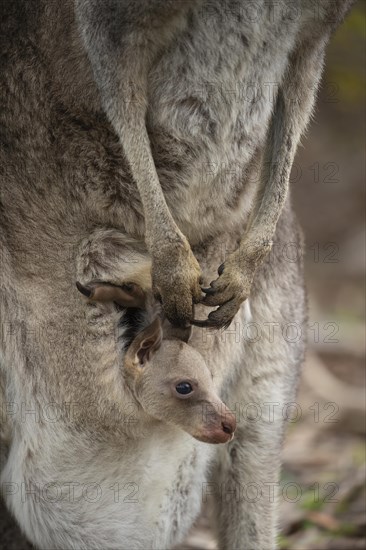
[[229, 424], [227, 428]]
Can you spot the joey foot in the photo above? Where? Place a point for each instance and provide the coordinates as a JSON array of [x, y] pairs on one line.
[[176, 277], [127, 295]]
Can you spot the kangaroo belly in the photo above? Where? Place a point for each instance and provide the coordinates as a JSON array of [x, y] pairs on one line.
[[105, 491]]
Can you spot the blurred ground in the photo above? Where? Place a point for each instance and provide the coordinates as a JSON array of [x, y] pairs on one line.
[[325, 455]]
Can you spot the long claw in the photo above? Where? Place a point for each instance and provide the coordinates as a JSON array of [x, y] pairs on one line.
[[204, 324], [84, 290], [221, 268], [199, 322], [208, 290]]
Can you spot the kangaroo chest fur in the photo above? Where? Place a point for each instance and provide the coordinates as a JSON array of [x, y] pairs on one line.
[[210, 99]]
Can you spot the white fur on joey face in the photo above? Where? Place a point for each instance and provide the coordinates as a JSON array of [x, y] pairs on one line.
[[172, 383]]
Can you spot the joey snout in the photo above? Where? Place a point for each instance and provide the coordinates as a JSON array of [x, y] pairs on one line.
[[218, 424], [194, 407], [204, 416]]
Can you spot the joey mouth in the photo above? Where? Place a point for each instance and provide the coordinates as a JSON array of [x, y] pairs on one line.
[[215, 437]]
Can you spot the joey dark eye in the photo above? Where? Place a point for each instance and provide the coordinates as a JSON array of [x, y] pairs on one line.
[[184, 388]]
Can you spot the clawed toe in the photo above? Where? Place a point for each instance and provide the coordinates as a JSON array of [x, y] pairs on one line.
[[221, 318], [208, 290], [212, 323]]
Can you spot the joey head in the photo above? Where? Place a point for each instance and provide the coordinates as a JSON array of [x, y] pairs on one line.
[[172, 383]]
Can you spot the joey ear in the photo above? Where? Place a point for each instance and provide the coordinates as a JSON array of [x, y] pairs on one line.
[[146, 343]]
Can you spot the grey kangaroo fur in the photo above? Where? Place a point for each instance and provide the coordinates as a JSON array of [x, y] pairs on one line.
[[125, 123]]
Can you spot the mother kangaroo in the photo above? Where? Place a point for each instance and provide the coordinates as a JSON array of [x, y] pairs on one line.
[[161, 134]]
